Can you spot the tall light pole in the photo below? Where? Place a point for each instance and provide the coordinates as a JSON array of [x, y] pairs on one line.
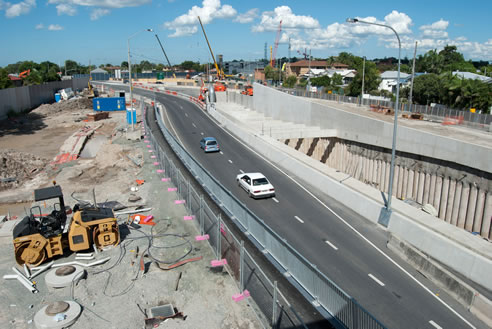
[[363, 78], [410, 100], [130, 73], [393, 149]]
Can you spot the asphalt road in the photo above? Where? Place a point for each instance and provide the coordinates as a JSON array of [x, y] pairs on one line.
[[345, 247]]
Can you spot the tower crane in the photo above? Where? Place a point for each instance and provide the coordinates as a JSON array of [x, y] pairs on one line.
[[277, 39]]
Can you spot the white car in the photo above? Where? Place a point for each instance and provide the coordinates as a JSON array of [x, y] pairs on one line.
[[256, 184]]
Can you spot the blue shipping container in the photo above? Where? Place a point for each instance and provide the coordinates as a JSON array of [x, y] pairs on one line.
[[129, 117], [109, 104]]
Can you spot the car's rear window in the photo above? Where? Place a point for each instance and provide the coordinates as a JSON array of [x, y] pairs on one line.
[[260, 181], [211, 143]]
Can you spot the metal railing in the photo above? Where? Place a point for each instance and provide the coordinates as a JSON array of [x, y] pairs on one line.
[[437, 113], [323, 291]]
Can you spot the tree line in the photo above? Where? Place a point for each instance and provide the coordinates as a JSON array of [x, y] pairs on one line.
[[437, 85]]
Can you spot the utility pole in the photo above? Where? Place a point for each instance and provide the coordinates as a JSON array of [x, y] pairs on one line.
[[289, 49], [410, 100]]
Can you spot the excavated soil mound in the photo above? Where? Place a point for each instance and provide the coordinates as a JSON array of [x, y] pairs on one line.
[[73, 104], [17, 167]]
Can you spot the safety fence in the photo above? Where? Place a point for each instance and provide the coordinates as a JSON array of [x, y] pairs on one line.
[[437, 113], [226, 246], [345, 310]]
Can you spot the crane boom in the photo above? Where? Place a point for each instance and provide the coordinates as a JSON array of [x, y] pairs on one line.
[[219, 71], [168, 62], [277, 39]]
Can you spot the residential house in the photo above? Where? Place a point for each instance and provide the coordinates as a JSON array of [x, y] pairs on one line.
[[472, 76], [389, 80], [302, 67], [346, 74]]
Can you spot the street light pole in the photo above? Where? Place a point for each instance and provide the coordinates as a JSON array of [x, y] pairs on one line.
[[393, 148], [363, 78], [130, 74]]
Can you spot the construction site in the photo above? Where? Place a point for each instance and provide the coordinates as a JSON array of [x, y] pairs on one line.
[[105, 246]]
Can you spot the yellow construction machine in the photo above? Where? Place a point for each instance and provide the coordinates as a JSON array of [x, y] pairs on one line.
[[40, 236]]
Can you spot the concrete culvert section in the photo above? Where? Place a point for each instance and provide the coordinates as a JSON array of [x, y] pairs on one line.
[[57, 315], [64, 276]]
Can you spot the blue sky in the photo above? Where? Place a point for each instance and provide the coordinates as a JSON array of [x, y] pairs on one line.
[[98, 30]]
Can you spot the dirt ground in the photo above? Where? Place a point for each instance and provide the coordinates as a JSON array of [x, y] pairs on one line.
[[117, 293]]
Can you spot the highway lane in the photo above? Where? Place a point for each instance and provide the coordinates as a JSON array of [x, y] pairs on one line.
[[320, 236]]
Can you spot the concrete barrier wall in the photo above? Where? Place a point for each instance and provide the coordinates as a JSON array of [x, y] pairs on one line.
[[282, 106], [28, 97]]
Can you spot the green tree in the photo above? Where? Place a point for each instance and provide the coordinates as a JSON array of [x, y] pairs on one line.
[[4, 79], [146, 66], [371, 79], [124, 65], [187, 65], [34, 78], [290, 81], [323, 81]]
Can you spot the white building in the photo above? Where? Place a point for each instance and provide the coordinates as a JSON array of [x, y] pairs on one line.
[[346, 74], [389, 80]]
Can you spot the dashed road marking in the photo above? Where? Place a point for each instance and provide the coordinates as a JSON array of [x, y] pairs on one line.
[[435, 325], [300, 220], [331, 244], [193, 125], [376, 279], [221, 152], [186, 114], [230, 161], [275, 199], [202, 134], [242, 171]]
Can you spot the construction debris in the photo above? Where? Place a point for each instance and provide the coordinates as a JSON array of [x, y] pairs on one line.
[[17, 167], [64, 276]]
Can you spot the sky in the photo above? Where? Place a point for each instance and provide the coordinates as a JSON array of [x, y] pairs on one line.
[[98, 31]]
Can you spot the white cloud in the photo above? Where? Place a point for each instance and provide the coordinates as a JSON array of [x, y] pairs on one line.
[[55, 27], [66, 9], [270, 20], [247, 17], [186, 24], [102, 3], [21, 8], [183, 31], [40, 26], [98, 13], [435, 30]]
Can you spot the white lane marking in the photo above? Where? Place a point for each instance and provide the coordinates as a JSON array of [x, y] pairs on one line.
[[230, 161], [242, 171], [186, 114], [193, 125], [221, 152], [331, 244], [202, 134], [435, 325], [172, 127], [300, 220], [275, 199], [352, 228], [376, 279]]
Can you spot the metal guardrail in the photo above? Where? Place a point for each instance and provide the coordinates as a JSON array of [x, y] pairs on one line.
[[437, 113], [324, 292]]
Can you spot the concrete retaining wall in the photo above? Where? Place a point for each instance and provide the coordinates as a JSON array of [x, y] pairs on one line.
[[282, 106], [460, 197], [26, 98], [453, 247]]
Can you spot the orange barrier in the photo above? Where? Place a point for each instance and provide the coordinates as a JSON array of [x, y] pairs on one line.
[[453, 120]]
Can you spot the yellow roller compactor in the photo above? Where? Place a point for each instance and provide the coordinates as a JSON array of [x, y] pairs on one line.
[[40, 236]]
